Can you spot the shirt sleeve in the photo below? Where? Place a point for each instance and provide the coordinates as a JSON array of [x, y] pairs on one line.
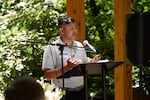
[[48, 58]]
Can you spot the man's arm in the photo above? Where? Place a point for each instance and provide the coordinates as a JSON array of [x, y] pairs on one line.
[[54, 73]]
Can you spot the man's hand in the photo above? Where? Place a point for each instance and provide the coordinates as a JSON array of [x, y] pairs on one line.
[[95, 59], [53, 73], [72, 63]]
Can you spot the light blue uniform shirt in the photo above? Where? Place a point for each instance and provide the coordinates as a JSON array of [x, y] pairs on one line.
[[52, 60]]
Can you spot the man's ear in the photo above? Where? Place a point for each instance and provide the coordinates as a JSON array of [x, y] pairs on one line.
[[61, 31]]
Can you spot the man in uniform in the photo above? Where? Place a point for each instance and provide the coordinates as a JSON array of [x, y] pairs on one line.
[[72, 56]]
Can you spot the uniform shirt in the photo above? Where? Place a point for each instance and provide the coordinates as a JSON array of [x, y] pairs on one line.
[[52, 60]]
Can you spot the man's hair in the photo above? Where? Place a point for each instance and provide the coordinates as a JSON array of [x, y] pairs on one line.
[[24, 88], [65, 20]]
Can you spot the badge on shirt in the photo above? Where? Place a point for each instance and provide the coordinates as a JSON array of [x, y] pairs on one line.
[[65, 55]]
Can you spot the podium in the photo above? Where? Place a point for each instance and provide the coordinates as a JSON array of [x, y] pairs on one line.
[[93, 69]]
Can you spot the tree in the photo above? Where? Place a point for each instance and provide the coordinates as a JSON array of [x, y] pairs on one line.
[[25, 27]]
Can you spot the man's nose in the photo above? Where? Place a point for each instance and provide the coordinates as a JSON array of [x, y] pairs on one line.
[[75, 30]]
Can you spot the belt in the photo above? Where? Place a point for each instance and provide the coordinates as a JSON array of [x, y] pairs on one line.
[[74, 89]]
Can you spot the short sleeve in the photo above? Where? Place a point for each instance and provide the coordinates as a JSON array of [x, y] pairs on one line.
[[48, 58]]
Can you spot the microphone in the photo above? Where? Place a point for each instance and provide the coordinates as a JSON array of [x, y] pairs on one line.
[[86, 43], [65, 45], [58, 44]]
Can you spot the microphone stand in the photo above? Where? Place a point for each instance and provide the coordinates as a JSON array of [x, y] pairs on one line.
[[61, 48], [87, 49]]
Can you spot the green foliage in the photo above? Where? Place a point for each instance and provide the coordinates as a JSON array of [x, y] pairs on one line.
[[99, 26], [140, 6], [25, 27]]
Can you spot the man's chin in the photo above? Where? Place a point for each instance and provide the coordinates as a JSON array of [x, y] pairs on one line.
[[72, 38]]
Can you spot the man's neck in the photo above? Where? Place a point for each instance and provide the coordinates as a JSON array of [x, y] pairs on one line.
[[66, 41]]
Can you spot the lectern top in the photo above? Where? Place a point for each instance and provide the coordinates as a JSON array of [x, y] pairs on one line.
[[92, 68]]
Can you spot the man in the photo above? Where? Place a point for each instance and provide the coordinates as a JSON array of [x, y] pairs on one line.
[[24, 88], [72, 56]]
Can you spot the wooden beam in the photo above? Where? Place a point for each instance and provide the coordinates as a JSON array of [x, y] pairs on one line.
[[123, 74], [76, 9]]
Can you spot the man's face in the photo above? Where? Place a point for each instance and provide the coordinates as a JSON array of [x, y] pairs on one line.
[[68, 31]]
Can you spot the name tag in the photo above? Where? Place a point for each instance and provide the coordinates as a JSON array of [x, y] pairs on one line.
[[65, 55]]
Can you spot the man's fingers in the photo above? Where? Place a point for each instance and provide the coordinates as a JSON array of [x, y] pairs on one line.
[[76, 61], [73, 63], [96, 58], [68, 59]]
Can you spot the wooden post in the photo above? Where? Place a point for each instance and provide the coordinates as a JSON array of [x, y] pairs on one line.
[[123, 73], [76, 9]]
